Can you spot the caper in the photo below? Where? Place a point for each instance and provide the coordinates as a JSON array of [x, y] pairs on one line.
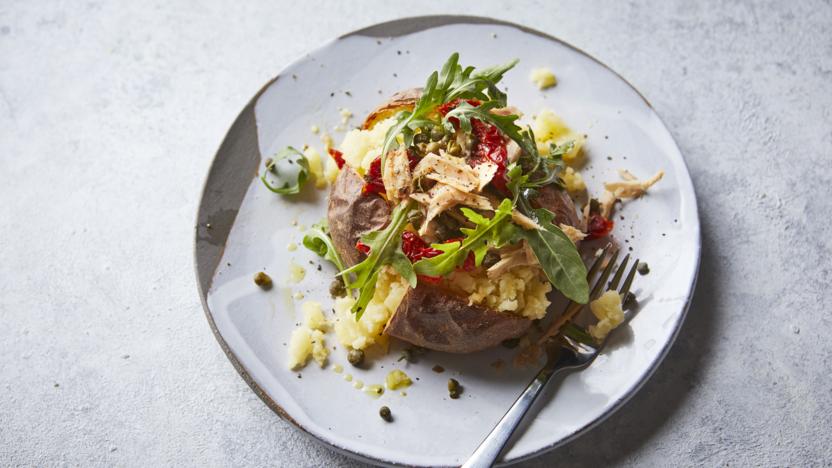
[[263, 280], [436, 133], [432, 147], [630, 301], [385, 414], [454, 388], [337, 289], [420, 138], [270, 166], [355, 357], [643, 268], [454, 148]]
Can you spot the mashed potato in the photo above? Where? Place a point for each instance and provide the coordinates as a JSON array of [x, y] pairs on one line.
[[390, 290], [520, 291], [607, 309], [573, 181], [550, 129], [308, 339], [543, 78], [360, 147]]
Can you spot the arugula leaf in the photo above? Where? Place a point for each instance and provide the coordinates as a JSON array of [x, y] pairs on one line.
[[291, 169], [557, 256], [489, 233], [385, 247], [319, 242], [452, 82]]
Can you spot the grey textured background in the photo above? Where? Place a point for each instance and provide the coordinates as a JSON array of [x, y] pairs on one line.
[[110, 114]]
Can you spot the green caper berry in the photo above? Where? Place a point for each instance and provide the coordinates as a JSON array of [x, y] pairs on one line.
[[454, 148], [454, 389], [436, 134], [263, 280], [420, 138], [630, 301], [432, 147], [355, 357], [385, 414], [337, 289]]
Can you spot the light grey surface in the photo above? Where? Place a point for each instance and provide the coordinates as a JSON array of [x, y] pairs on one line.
[[110, 115]]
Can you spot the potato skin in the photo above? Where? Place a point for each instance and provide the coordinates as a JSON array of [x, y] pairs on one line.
[[402, 100], [351, 214], [435, 319], [558, 202]]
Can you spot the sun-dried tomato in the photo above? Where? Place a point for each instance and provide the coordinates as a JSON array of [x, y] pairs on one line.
[[429, 279], [372, 181], [491, 146], [599, 227], [337, 156], [415, 248], [362, 247]]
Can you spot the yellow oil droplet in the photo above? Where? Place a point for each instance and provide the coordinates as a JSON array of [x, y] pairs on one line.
[[374, 391], [337, 368], [348, 377], [358, 384]]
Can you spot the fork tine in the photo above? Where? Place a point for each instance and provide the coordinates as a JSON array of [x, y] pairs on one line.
[[604, 275], [598, 261], [619, 273], [625, 288]]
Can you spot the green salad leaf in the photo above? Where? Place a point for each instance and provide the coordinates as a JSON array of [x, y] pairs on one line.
[[290, 168], [318, 241], [385, 248], [491, 232], [558, 256], [451, 82]]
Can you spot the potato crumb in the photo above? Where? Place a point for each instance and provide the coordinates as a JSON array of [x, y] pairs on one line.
[[298, 296], [291, 246], [315, 129], [550, 129], [313, 316], [543, 78], [346, 115], [573, 181], [316, 167], [296, 272], [607, 309], [397, 379]]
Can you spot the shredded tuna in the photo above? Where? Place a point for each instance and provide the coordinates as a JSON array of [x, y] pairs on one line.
[[572, 233], [448, 170], [396, 175], [606, 201], [442, 197], [513, 151], [631, 187], [512, 258], [523, 221]]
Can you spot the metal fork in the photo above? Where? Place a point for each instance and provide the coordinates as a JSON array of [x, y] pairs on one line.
[[568, 347]]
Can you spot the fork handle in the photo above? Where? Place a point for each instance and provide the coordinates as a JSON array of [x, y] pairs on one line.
[[490, 448]]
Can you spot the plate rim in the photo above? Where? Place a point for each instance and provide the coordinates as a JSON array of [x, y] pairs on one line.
[[395, 28]]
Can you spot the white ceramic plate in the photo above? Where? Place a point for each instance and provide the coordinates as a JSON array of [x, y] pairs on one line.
[[243, 228]]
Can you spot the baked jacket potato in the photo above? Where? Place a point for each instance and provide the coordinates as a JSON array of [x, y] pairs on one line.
[[429, 316]]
